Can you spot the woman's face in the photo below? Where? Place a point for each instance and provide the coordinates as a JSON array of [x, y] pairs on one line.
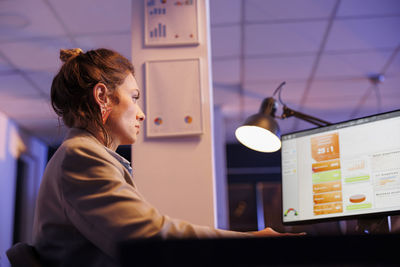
[[124, 121]]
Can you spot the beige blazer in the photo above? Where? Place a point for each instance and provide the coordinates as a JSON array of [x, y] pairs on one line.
[[88, 203]]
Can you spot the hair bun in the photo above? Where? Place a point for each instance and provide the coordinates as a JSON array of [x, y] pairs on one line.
[[67, 54]]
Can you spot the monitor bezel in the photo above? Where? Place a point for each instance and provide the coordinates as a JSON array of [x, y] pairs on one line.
[[373, 215]]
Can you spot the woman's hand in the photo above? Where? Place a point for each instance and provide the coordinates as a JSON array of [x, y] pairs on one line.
[[269, 232]]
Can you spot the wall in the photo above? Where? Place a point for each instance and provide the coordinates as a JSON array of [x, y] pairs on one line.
[[176, 174], [14, 144], [221, 183]]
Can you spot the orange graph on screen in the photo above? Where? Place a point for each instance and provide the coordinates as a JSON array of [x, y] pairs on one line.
[[357, 165], [326, 174], [325, 147], [326, 165], [328, 208], [327, 197], [327, 187]]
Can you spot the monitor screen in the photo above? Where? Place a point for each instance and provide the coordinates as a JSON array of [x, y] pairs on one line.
[[344, 170]]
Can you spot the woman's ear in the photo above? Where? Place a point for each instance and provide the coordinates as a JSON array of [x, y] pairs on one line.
[[100, 93]]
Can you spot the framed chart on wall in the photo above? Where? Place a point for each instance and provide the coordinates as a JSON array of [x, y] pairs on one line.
[[170, 22], [173, 98]]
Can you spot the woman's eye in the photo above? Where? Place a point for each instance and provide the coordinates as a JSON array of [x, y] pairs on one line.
[[135, 98]]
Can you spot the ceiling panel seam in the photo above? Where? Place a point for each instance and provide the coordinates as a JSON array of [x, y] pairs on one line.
[[317, 60], [62, 24], [362, 17], [301, 20], [375, 87], [9, 72], [302, 54], [57, 37], [390, 60], [23, 75], [361, 102], [298, 80]]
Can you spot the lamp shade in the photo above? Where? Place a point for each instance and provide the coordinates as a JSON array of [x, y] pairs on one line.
[[260, 132]]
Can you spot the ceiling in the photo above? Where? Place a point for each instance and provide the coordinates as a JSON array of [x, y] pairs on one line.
[[324, 50]]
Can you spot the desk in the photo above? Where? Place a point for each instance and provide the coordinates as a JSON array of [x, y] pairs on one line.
[[365, 250]]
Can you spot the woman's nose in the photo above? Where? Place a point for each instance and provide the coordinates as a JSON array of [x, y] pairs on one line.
[[140, 115]]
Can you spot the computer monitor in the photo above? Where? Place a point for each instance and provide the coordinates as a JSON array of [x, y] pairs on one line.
[[347, 170]]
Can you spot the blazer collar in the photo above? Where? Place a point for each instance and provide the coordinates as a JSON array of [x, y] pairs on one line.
[[74, 132]]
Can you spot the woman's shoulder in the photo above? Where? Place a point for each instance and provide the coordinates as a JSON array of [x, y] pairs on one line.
[[80, 139], [79, 145], [82, 147]]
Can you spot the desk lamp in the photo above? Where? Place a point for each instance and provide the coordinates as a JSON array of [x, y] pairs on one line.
[[261, 132]]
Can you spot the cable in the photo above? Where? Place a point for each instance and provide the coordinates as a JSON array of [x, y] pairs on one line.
[[279, 89]]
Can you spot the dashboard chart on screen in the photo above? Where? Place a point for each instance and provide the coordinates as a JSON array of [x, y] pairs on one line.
[[346, 170]]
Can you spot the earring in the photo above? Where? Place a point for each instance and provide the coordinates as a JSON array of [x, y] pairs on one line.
[[105, 112]]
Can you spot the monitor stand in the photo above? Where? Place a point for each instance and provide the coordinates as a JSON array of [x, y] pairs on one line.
[[378, 225]]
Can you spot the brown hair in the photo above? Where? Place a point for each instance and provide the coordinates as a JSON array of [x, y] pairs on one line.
[[72, 88]]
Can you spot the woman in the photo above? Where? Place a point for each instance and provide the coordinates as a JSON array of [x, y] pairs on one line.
[[87, 201]]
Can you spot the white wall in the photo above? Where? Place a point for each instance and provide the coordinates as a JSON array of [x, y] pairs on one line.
[[221, 182], [15, 143], [177, 174]]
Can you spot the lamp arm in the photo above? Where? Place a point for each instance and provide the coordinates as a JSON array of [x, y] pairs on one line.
[[288, 112]]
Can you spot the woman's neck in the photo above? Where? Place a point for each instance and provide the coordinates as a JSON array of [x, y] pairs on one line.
[[100, 136]]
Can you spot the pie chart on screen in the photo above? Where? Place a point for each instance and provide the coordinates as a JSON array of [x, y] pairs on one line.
[[357, 198]]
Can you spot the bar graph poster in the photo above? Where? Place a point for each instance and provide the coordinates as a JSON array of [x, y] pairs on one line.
[[171, 22], [173, 98]]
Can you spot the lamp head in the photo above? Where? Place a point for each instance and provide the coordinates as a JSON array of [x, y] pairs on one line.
[[260, 131]]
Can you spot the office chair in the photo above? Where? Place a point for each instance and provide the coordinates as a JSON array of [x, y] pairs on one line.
[[23, 255]]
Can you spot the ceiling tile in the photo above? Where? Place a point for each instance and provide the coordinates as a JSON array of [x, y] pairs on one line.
[[347, 65], [26, 107], [362, 34], [278, 69], [24, 19], [334, 96], [225, 41], [43, 80], [91, 16], [36, 55], [14, 85], [389, 91], [225, 11], [372, 106], [394, 68], [391, 83], [226, 71], [284, 38], [334, 92], [291, 92], [122, 43], [5, 68], [269, 10], [368, 7]]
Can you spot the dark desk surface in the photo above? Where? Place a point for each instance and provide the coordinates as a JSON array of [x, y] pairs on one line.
[[355, 250]]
